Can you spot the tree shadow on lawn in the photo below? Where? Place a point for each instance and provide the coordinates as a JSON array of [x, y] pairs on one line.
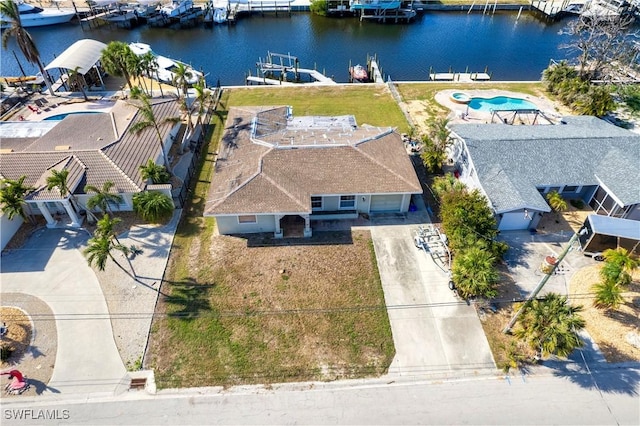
[[611, 379], [188, 299]]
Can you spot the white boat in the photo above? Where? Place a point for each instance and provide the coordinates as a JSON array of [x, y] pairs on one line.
[[220, 15], [166, 66], [32, 16], [176, 8]]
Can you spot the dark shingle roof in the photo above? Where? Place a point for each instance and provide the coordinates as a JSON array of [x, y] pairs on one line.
[[511, 161], [253, 178]]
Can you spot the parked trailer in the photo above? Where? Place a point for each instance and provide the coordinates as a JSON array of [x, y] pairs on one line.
[[605, 232]]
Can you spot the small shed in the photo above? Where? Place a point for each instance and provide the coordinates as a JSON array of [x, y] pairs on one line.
[[606, 232]]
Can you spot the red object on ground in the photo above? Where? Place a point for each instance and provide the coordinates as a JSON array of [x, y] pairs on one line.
[[15, 374]]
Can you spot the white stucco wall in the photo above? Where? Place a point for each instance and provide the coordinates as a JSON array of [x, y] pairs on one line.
[[8, 228]]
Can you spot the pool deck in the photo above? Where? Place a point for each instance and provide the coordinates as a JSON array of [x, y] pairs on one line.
[[460, 113]]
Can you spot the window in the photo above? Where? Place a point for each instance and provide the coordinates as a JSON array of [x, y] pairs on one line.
[[316, 203], [603, 203], [347, 201], [247, 218], [570, 189]]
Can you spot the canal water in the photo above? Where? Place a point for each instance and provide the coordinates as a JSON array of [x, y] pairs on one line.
[[510, 48]]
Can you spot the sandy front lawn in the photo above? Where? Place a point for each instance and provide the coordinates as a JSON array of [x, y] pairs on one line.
[[248, 311], [615, 330]]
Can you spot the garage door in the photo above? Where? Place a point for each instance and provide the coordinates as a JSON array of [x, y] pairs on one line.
[[513, 221], [386, 203]]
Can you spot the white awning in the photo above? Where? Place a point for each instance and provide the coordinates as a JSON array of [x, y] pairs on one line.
[[82, 54]]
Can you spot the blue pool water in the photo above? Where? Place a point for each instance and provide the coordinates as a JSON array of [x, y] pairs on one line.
[[62, 116], [500, 103]]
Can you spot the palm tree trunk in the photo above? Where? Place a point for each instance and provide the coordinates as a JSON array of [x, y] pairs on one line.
[[45, 77]]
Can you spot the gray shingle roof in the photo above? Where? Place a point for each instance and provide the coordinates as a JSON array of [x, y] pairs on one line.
[[98, 142], [511, 161], [253, 178]]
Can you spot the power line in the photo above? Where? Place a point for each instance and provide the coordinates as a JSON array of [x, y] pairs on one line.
[[247, 313]]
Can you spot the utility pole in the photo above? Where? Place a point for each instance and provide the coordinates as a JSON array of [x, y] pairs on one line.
[[543, 281]]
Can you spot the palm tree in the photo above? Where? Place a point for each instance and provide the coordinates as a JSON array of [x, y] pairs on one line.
[[203, 98], [181, 76], [621, 257], [474, 273], [151, 63], [444, 184], [12, 197], [149, 120], [556, 202], [119, 60], [550, 326], [11, 14], [153, 206], [58, 179], [616, 275], [77, 80], [103, 197], [155, 172], [608, 295], [436, 142]]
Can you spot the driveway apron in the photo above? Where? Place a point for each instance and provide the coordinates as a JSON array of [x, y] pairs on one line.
[[51, 267], [433, 331]]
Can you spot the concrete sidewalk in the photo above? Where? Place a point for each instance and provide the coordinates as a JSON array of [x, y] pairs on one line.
[[51, 267]]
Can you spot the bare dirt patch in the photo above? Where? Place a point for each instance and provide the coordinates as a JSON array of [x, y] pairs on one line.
[[610, 330], [261, 311]]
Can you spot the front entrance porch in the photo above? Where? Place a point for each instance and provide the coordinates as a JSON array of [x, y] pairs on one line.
[[293, 226], [59, 213]]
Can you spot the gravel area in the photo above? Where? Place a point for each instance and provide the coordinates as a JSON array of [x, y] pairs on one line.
[[38, 362], [132, 304]]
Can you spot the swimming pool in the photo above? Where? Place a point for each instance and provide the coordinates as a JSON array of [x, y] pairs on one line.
[[500, 103], [59, 117]]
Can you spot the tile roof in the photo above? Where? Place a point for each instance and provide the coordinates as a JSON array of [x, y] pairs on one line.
[[257, 178], [94, 148], [511, 161]]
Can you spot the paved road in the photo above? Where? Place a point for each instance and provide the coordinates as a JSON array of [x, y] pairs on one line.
[[554, 397], [440, 333], [51, 267]]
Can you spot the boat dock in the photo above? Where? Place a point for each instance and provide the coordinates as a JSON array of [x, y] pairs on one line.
[[464, 77], [284, 69], [555, 9]]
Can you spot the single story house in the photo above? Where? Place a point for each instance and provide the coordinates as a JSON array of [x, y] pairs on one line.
[[93, 147], [278, 173], [582, 157]]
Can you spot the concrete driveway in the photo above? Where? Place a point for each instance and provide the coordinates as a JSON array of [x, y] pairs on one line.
[[527, 252], [51, 267], [433, 331]]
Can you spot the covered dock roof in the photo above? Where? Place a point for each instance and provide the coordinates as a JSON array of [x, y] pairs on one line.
[[82, 54]]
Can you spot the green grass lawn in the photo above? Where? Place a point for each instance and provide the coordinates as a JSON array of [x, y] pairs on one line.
[[372, 105]]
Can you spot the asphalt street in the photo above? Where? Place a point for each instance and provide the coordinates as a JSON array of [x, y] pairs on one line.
[[550, 396]]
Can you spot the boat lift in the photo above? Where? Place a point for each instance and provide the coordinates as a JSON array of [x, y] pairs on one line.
[[432, 241]]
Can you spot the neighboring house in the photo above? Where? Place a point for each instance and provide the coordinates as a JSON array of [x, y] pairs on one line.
[[94, 148], [278, 173], [582, 158]]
